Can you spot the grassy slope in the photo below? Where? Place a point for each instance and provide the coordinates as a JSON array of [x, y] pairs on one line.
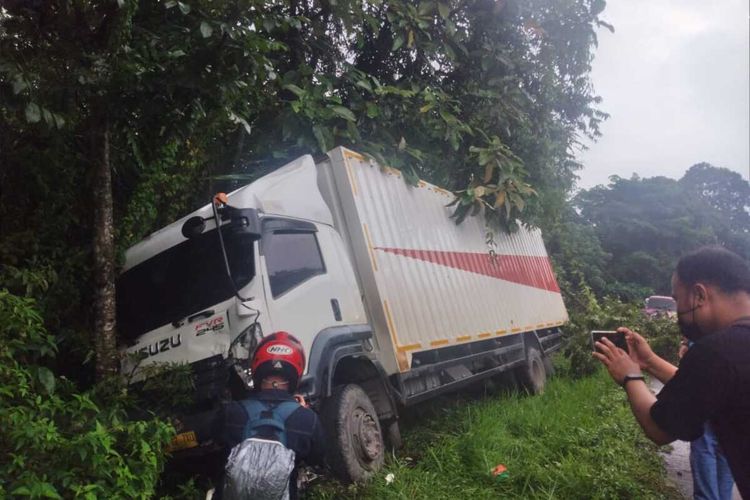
[[577, 440]]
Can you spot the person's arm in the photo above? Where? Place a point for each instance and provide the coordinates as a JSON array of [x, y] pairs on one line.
[[620, 364], [647, 360], [641, 400], [317, 444], [661, 369]]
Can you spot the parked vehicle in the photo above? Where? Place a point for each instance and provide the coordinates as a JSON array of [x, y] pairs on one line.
[[660, 306], [393, 301]]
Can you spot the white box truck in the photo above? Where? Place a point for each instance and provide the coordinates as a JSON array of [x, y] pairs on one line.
[[393, 302]]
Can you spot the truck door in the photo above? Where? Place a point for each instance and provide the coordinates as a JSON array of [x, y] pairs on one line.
[[309, 284]]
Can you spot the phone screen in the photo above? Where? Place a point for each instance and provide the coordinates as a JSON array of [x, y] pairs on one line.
[[617, 338]]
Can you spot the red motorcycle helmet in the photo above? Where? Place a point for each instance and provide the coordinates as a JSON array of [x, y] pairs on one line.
[[278, 354]]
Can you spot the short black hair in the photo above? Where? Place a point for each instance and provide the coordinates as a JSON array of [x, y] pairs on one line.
[[716, 266]]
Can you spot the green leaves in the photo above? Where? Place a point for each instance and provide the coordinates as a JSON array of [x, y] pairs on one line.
[[33, 113], [323, 136], [344, 113], [507, 197], [19, 84], [59, 443], [372, 110], [206, 29], [295, 89], [37, 490], [444, 10], [47, 379]]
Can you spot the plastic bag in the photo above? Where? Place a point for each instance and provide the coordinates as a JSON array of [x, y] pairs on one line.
[[258, 469]]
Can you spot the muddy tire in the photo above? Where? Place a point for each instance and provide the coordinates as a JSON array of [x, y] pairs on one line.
[[392, 434], [549, 367], [532, 376], [355, 446]]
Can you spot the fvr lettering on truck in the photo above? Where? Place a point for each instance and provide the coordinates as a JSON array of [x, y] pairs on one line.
[[393, 302]]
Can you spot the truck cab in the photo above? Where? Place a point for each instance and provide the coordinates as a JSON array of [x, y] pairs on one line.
[[176, 303]]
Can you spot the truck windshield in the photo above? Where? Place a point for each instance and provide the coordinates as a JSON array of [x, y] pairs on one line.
[[183, 280]]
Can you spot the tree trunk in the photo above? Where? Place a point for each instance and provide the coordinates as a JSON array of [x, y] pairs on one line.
[[105, 343]]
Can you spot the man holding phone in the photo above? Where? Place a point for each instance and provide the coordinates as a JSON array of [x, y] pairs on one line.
[[712, 290]]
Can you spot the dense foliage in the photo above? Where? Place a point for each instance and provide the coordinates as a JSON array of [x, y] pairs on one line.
[[624, 239], [59, 442]]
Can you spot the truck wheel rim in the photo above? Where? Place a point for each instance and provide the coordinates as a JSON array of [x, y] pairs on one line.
[[366, 435]]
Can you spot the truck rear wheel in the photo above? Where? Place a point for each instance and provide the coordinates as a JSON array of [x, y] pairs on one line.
[[356, 448], [549, 367], [533, 376]]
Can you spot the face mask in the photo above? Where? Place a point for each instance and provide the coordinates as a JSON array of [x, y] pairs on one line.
[[691, 331]]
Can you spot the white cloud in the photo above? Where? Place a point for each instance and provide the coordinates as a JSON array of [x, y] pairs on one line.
[[675, 76]]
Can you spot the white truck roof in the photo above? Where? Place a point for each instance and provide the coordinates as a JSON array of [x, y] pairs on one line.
[[288, 191]]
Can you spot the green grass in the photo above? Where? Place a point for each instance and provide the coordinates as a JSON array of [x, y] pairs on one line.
[[577, 440]]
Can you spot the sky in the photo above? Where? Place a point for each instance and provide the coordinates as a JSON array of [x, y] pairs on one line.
[[675, 78]]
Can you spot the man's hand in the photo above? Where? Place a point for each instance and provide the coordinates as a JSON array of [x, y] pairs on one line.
[[616, 360], [683, 349], [640, 351]]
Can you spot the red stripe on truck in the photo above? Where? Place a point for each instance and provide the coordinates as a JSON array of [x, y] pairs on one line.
[[522, 269]]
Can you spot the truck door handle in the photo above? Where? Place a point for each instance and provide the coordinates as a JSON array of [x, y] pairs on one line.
[[336, 309]]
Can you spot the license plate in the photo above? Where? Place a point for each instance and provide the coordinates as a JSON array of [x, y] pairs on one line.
[[183, 441]]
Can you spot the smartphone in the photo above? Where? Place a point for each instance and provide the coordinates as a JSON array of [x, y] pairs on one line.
[[617, 338]]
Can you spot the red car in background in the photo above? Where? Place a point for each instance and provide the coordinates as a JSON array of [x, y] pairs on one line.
[[660, 306]]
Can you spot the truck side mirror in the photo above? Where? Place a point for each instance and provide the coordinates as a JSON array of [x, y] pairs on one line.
[[193, 227]]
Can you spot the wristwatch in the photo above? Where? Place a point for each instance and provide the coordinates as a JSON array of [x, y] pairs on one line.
[[633, 376]]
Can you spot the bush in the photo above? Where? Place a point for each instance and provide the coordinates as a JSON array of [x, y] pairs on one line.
[[60, 442], [588, 313], [663, 335]]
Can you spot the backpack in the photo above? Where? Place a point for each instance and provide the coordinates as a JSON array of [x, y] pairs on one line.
[[259, 468], [266, 414]]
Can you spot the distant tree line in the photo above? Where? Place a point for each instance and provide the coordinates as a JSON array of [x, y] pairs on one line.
[[625, 238]]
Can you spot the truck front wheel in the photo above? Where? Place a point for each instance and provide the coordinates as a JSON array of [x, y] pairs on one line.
[[356, 449]]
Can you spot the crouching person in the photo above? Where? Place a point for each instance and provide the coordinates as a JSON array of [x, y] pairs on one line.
[[270, 433]]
